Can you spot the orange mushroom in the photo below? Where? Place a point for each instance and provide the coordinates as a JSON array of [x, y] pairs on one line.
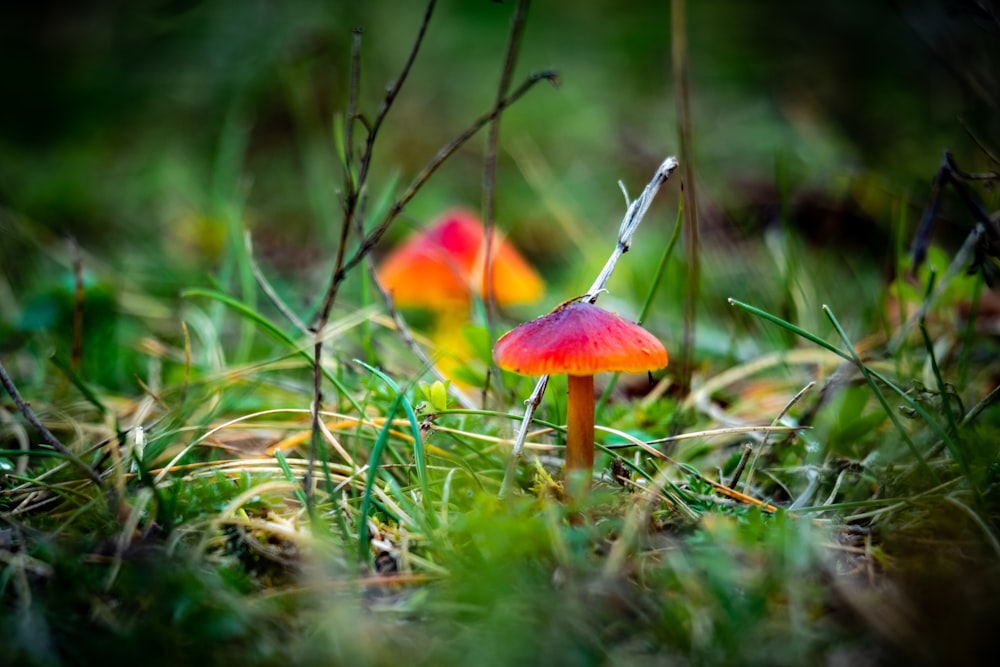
[[444, 266], [580, 340]]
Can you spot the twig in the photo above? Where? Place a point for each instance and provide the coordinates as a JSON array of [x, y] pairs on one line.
[[986, 151], [45, 433], [490, 167], [744, 459], [633, 216], [688, 192], [391, 93], [352, 197], [342, 266], [414, 187], [957, 265], [418, 352], [976, 409], [376, 234], [352, 109]]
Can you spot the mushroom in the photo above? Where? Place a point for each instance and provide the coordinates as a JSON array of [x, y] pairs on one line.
[[579, 339], [442, 267]]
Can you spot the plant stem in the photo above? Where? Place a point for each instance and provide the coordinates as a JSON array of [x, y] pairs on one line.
[[490, 174], [580, 426], [678, 19], [46, 434]]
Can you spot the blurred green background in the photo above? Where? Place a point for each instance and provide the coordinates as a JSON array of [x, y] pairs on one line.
[[151, 131]]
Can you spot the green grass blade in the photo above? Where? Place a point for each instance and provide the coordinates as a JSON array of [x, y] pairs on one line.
[[940, 431], [372, 474], [949, 415], [869, 378], [798, 331], [227, 199], [870, 375], [290, 476], [419, 455], [42, 453], [274, 330]]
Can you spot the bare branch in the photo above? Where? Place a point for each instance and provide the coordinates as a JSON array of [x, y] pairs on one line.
[[353, 197], [490, 165], [391, 93], [682, 96], [352, 111], [353, 192], [418, 352], [45, 433], [373, 237]]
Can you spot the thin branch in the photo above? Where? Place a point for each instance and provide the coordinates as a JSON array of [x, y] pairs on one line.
[[633, 216], [986, 151], [418, 352], [353, 193], [372, 239], [45, 433], [352, 110], [688, 191], [352, 200], [391, 93], [490, 166], [376, 234], [394, 314]]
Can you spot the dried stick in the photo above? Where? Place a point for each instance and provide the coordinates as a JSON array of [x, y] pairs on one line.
[[342, 266], [352, 197], [376, 234], [45, 433], [352, 110], [490, 167], [633, 216], [418, 352], [678, 22]]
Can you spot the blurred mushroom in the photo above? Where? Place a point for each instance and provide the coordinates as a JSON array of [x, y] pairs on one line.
[[579, 339], [442, 267]]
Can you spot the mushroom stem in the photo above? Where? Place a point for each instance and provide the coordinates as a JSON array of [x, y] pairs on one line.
[[580, 427]]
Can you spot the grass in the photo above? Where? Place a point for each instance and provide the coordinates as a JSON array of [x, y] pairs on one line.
[[828, 491]]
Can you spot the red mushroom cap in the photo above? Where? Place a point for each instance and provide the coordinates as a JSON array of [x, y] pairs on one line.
[[444, 265], [578, 338]]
